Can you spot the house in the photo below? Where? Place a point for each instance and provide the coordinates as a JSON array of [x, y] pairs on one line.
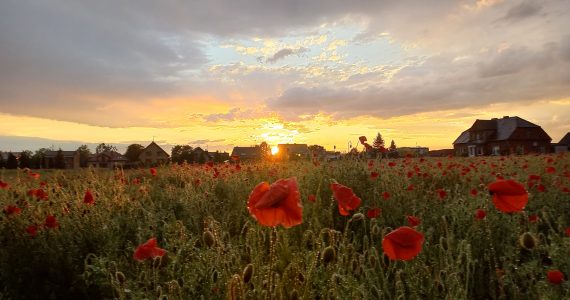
[[563, 145], [441, 153], [507, 135], [153, 155], [200, 155], [247, 153], [107, 159], [5, 155], [71, 158], [293, 151]]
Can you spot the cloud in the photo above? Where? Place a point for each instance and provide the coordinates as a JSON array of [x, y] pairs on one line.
[[440, 83], [206, 141], [281, 54], [522, 11]]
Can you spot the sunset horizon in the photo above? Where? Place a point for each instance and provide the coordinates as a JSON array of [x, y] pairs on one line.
[[220, 75]]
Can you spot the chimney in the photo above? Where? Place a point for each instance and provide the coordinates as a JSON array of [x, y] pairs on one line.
[[494, 119], [505, 117]]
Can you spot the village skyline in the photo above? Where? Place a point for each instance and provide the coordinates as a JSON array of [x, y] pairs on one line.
[[316, 72]]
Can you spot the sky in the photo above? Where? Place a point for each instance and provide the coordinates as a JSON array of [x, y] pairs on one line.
[[225, 73]]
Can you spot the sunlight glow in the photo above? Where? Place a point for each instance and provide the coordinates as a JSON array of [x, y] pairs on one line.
[[274, 150]]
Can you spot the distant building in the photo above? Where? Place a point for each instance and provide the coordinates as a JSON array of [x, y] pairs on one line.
[[508, 135], [563, 145], [153, 155], [247, 153], [200, 155], [5, 155], [293, 151], [415, 151], [107, 159], [71, 159], [441, 153]]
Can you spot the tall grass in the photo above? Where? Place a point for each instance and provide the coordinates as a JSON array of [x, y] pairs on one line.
[[217, 250]]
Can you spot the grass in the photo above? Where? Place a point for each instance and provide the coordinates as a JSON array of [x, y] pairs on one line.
[[217, 250]]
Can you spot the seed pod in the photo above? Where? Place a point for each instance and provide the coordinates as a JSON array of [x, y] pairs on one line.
[[329, 255], [208, 238], [375, 230], [527, 241], [120, 277], [247, 273]]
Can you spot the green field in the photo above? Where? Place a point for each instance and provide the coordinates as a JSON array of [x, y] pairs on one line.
[[217, 250]]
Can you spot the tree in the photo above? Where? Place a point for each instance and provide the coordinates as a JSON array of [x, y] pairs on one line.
[[378, 142], [134, 152], [318, 149], [12, 162], [84, 154], [2, 162], [392, 146], [182, 153], [59, 160], [38, 158], [265, 150], [104, 147], [25, 159]]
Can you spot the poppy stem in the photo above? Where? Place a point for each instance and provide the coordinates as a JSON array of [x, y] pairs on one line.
[[272, 244]]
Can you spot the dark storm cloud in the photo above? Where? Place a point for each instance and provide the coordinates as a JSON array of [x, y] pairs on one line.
[[522, 10]]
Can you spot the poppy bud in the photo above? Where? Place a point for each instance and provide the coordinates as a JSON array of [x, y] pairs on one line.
[[208, 238], [527, 241], [294, 295], [247, 273], [375, 230], [120, 277], [329, 254], [357, 217]]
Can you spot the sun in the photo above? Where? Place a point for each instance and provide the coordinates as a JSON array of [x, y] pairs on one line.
[[274, 150]]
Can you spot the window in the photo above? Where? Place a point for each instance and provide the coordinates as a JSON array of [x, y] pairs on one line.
[[496, 150]]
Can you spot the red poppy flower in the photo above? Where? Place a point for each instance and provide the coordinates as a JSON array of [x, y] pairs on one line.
[[413, 221], [480, 214], [153, 172], [410, 187], [312, 198], [51, 222], [38, 194], [533, 218], [345, 198], [541, 188], [386, 195], [32, 230], [88, 198], [278, 203], [12, 210], [374, 175], [373, 212], [391, 164], [441, 193], [550, 170], [474, 192], [34, 175], [148, 250], [508, 195], [567, 231], [4, 185], [404, 243], [555, 276]]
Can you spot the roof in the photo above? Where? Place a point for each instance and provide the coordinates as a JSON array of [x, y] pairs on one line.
[[295, 148], [463, 138], [113, 155], [49, 154], [156, 146], [247, 151], [507, 125], [503, 129], [565, 140]]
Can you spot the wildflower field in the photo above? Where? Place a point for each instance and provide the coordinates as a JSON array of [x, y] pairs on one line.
[[409, 228]]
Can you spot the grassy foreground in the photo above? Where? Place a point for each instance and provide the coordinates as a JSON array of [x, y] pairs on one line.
[[216, 250]]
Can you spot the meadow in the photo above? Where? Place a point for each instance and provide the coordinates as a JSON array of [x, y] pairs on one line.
[[77, 234]]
